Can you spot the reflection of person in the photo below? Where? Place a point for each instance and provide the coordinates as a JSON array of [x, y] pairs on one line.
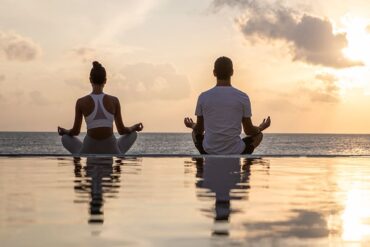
[[99, 110], [220, 113], [97, 178], [221, 176]]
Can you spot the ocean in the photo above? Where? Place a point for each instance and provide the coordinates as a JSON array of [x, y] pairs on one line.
[[181, 143], [186, 201]]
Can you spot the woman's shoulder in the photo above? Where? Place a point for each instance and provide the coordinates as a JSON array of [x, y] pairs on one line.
[[84, 99], [111, 97]]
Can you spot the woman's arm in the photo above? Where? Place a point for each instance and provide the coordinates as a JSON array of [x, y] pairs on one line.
[[77, 123], [121, 128]]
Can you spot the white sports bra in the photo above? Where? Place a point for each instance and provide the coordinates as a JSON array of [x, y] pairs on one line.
[[100, 117]]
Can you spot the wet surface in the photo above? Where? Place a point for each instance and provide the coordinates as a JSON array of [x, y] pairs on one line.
[[210, 201]]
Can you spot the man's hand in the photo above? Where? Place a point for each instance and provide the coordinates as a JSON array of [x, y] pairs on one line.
[[189, 123], [62, 131], [138, 127], [265, 124]]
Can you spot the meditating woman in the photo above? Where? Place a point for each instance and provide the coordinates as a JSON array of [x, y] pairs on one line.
[[99, 110]]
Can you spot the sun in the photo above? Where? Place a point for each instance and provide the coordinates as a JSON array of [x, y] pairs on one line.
[[358, 37], [354, 80]]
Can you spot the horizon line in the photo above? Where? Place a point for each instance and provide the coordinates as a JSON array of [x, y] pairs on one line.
[[179, 132]]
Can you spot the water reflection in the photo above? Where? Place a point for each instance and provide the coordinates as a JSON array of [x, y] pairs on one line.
[[97, 180], [226, 180], [304, 224]]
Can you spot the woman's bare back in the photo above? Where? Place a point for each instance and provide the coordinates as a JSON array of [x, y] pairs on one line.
[[86, 105]]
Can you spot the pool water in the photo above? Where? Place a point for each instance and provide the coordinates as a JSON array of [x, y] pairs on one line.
[[211, 201]]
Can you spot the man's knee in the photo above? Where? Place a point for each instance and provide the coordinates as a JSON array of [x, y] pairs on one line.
[[197, 138], [193, 135], [257, 139], [198, 142]]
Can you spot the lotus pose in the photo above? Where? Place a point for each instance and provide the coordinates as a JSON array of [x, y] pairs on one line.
[[99, 110], [221, 111]]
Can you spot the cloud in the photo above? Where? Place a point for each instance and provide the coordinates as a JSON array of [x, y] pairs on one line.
[[18, 48], [146, 81], [38, 98], [311, 39], [235, 3], [122, 16], [307, 94], [327, 92], [282, 102], [77, 83], [86, 54]]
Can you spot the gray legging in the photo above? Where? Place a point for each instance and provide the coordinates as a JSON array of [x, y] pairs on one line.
[[89, 145]]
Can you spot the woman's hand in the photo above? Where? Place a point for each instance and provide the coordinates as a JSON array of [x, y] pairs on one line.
[[138, 127], [62, 131]]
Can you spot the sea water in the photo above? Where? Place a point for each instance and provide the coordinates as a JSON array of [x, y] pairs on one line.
[[210, 201], [199, 201], [181, 143]]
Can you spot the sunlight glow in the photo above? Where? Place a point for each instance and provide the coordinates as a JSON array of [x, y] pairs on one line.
[[358, 36], [356, 215], [355, 78]]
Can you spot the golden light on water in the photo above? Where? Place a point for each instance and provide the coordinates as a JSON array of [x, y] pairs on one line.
[[356, 215]]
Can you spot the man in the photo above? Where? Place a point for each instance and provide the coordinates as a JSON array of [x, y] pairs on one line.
[[221, 111]]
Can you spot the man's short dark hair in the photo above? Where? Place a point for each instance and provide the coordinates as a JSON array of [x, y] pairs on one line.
[[223, 68]]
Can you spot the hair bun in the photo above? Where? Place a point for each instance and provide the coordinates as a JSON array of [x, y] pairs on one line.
[[96, 64]]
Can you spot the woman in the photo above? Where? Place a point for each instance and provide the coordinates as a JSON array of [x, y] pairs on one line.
[[99, 110]]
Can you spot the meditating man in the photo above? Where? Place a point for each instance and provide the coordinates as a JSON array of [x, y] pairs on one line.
[[221, 111]]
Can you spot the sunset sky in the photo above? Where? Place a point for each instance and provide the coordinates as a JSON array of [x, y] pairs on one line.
[[304, 63]]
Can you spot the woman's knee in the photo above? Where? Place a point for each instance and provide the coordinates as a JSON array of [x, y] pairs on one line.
[[132, 136], [66, 139], [126, 141], [71, 143]]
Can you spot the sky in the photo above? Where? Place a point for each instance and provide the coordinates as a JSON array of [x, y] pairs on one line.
[[304, 63]]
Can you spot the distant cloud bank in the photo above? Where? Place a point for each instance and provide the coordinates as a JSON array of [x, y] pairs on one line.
[[146, 81], [38, 98], [86, 54], [18, 48], [311, 38], [328, 92]]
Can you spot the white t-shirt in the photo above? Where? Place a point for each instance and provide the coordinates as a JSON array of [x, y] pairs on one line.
[[223, 109]]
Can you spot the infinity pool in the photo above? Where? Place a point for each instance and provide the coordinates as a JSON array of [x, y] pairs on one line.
[[210, 201]]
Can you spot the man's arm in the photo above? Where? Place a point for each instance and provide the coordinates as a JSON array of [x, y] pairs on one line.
[[197, 127], [250, 129]]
